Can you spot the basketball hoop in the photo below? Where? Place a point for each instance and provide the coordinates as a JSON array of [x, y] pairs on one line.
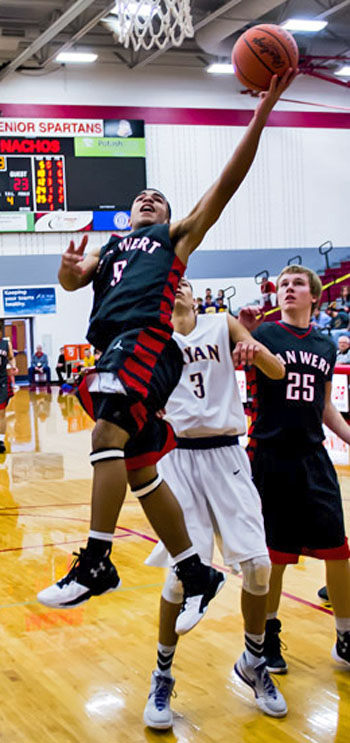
[[148, 23]]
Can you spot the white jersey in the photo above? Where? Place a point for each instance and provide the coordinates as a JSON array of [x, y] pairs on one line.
[[206, 401]]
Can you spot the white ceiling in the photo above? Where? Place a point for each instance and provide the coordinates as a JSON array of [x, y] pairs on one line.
[[32, 32]]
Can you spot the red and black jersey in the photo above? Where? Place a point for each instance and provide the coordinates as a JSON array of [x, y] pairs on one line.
[[4, 352], [134, 284], [291, 409]]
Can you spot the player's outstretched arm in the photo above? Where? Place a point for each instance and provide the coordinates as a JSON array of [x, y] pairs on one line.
[[189, 233], [248, 351], [333, 419], [76, 270]]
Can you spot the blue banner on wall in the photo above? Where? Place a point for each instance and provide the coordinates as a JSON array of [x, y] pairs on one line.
[[111, 221], [29, 301]]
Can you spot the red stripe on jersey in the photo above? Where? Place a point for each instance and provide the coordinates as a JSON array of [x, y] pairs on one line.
[[163, 333], [152, 457], [165, 309], [135, 368], [85, 398], [150, 342], [178, 266], [292, 332], [139, 414], [169, 293], [132, 383], [148, 358]]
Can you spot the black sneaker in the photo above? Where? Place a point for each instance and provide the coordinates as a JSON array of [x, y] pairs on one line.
[[201, 583], [323, 593], [341, 650], [275, 662], [87, 577], [2, 447]]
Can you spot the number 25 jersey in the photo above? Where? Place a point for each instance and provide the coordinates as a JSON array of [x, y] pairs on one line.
[[291, 409]]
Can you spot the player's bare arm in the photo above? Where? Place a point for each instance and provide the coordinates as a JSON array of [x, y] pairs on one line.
[[333, 419], [251, 317], [189, 232], [76, 269], [250, 352], [11, 357]]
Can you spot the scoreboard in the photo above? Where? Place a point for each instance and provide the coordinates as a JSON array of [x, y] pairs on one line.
[[57, 181]]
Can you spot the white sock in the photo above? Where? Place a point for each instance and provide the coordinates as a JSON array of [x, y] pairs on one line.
[[2, 437], [254, 647], [103, 535], [165, 655], [183, 555], [271, 615], [342, 624]]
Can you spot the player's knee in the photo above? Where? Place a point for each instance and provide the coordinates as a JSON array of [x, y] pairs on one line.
[[146, 488], [256, 575], [107, 435], [172, 589]]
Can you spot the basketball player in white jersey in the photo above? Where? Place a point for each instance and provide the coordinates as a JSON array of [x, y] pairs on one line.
[[210, 473]]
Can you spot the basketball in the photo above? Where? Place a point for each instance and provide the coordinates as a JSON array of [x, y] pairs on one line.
[[263, 51]]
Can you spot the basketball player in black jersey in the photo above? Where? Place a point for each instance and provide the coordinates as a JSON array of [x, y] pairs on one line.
[[297, 482], [135, 280], [6, 357]]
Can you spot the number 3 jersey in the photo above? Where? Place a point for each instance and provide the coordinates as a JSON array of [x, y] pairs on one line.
[[206, 401], [291, 409]]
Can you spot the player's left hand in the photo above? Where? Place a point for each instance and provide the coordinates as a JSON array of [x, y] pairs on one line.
[[251, 317], [245, 353]]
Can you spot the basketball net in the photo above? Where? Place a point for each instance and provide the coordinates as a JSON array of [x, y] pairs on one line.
[[148, 23]]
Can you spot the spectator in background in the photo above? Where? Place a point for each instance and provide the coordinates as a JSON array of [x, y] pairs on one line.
[[320, 319], [209, 304], [339, 321], [267, 289], [343, 301], [220, 306], [39, 365], [343, 352], [199, 306], [61, 366], [89, 358]]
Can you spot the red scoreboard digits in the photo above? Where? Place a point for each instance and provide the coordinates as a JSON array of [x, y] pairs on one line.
[[49, 183]]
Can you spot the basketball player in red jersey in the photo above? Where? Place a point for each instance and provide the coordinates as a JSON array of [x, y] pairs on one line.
[[291, 468], [135, 280]]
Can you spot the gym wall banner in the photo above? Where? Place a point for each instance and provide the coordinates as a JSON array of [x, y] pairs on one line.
[[26, 302]]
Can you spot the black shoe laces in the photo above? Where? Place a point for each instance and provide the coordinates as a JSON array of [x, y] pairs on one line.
[[268, 684], [162, 692], [73, 572]]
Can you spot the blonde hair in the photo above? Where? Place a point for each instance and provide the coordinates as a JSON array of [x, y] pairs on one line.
[[314, 280]]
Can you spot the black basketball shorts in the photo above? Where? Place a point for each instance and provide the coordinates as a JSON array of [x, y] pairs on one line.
[[141, 367], [301, 503], [6, 392]]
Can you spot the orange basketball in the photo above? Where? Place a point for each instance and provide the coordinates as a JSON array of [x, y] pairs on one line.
[[261, 52]]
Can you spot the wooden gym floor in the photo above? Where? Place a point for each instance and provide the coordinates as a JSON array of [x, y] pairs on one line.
[[83, 674]]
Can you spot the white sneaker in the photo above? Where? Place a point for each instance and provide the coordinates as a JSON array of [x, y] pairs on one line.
[[157, 712], [87, 577], [268, 698], [201, 583]]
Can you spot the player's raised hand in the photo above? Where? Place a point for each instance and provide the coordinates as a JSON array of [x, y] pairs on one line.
[[73, 257], [251, 317], [268, 98], [245, 353]]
